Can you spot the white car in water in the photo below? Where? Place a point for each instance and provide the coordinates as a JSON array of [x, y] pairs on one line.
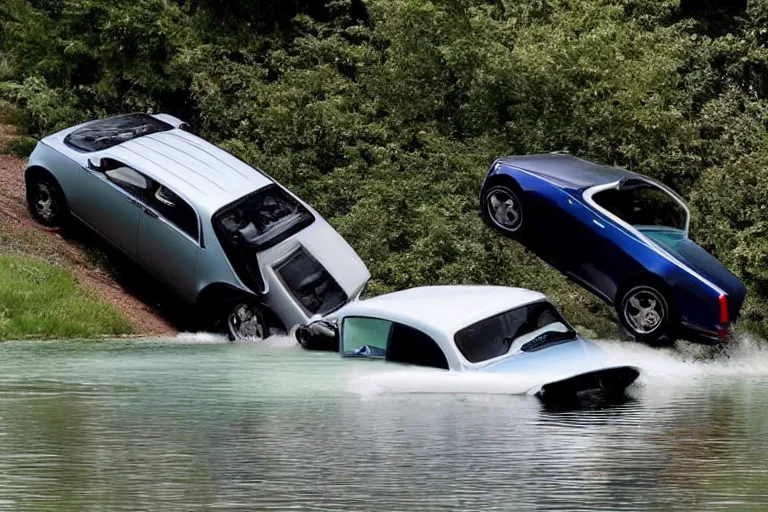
[[472, 328]]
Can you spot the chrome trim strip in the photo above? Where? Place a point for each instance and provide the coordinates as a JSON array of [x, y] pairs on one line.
[[588, 193]]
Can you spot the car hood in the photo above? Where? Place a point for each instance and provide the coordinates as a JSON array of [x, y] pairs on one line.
[[699, 260], [555, 362]]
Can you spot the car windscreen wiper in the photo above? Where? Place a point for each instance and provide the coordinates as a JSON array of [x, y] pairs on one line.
[[546, 339]]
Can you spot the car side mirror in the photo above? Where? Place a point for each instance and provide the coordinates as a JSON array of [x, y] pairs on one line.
[[163, 196], [94, 164]]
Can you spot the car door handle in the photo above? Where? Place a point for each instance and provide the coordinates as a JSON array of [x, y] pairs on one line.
[[150, 212]]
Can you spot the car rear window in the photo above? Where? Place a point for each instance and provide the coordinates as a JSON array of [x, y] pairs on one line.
[[262, 219], [106, 133]]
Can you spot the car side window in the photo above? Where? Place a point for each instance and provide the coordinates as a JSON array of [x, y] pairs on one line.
[[176, 210], [643, 205], [411, 346], [159, 197], [363, 336], [128, 179], [376, 338]]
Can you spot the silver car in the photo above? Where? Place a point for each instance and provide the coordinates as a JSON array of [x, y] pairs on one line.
[[223, 235]]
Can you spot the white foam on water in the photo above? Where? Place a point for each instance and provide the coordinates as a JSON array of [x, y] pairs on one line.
[[425, 380], [279, 340], [198, 337], [747, 355]]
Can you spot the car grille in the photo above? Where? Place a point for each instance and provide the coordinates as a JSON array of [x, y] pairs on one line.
[[311, 284]]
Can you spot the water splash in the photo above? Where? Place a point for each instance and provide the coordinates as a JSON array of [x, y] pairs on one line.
[[197, 337], [277, 340], [425, 380], [747, 355]]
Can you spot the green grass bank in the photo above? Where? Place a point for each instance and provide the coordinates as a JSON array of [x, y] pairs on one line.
[[38, 300]]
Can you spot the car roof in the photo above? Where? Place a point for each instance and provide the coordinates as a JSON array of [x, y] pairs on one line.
[[568, 171], [199, 171], [444, 309], [191, 166]]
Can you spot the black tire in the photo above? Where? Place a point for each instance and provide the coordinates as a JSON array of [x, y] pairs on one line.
[[647, 314], [245, 321], [503, 210], [46, 201]]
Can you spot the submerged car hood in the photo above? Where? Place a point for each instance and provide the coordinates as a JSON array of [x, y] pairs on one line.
[[698, 259]]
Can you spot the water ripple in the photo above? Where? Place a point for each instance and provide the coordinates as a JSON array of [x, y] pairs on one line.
[[199, 424]]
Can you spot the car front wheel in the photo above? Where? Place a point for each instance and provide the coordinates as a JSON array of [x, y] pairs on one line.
[[503, 210], [645, 312], [246, 322], [46, 200]]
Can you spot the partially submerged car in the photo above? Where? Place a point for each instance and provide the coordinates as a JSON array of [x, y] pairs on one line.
[[472, 328], [223, 235], [622, 236]]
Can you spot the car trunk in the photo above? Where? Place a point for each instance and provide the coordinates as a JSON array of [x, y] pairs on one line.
[[700, 261]]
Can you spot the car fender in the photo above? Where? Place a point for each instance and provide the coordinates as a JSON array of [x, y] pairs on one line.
[[67, 172]]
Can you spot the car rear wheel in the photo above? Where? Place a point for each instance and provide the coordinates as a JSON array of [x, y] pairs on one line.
[[245, 322], [503, 209], [645, 312], [46, 200]]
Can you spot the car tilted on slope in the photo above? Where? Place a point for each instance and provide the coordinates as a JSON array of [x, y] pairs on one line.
[[221, 234], [622, 236], [472, 328]]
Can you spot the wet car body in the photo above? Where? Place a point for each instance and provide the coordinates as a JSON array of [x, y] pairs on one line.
[[622, 236], [221, 234], [472, 328]]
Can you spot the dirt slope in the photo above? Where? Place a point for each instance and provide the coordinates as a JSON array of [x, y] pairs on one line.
[[72, 250]]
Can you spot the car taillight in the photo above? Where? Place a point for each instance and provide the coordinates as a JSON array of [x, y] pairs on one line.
[[723, 299]]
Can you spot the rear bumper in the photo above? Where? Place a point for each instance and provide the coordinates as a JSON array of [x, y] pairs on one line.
[[696, 334]]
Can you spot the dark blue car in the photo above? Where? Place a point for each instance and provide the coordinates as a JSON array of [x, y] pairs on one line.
[[622, 236]]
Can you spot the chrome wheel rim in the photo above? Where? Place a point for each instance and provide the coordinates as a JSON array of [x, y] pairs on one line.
[[644, 311], [504, 209], [45, 203], [245, 323]]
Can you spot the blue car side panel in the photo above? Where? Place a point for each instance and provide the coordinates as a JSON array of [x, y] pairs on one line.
[[601, 255]]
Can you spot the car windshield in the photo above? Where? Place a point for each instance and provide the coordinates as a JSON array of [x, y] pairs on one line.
[[644, 206], [262, 219], [527, 328]]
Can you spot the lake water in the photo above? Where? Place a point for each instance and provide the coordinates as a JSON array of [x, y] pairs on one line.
[[195, 423]]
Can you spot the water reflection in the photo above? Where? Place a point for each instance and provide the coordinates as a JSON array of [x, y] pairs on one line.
[[200, 426]]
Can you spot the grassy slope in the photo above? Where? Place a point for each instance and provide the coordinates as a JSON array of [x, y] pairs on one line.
[[39, 297], [39, 300]]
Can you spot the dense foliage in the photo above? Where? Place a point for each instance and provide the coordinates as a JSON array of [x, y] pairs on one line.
[[385, 114]]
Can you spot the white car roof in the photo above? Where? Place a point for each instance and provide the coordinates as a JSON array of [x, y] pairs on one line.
[[199, 171], [443, 309]]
